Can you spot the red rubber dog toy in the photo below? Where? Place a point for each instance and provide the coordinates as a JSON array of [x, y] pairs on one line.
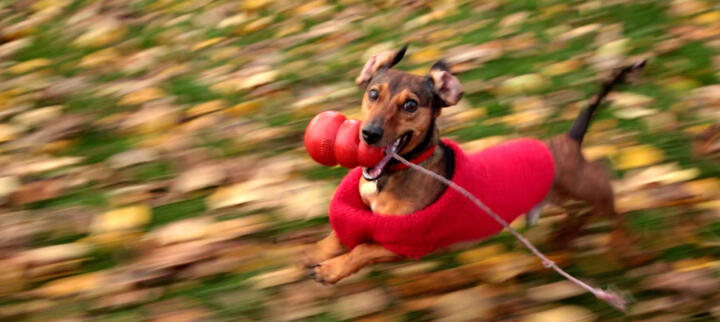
[[330, 138]]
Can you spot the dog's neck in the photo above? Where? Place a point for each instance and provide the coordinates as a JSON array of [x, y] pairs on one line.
[[431, 139], [406, 191]]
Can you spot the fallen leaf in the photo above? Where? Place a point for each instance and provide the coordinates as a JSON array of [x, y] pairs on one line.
[[125, 218], [361, 304], [132, 157], [142, 96], [9, 132], [555, 291], [29, 65], [101, 33], [8, 185], [638, 156], [563, 313], [200, 177], [278, 277], [72, 285], [205, 108], [523, 84]]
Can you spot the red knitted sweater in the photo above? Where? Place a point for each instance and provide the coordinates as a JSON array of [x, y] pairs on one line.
[[510, 178]]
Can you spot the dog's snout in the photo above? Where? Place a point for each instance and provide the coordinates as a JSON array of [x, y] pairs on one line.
[[372, 134]]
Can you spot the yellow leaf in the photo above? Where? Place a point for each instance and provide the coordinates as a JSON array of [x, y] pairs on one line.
[[288, 29], [123, 219], [638, 156], [259, 79], [257, 25], [561, 68], [309, 6], [478, 254], [8, 132], [205, 108], [634, 201], [554, 10], [101, 35], [38, 116], [100, 58], [72, 285], [29, 65], [614, 48], [708, 18], [233, 20], [56, 253], [523, 83], [599, 151], [254, 4], [567, 313], [208, 43], [697, 129], [142, 96], [425, 55], [691, 264], [680, 176], [680, 84], [627, 99], [245, 108], [707, 188], [48, 4], [114, 239]]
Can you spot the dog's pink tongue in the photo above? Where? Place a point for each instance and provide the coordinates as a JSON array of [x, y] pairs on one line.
[[377, 170]]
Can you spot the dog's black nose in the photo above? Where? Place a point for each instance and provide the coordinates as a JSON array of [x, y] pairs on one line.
[[372, 134]]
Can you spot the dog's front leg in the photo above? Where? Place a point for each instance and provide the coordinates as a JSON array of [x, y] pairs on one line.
[[325, 249], [333, 270]]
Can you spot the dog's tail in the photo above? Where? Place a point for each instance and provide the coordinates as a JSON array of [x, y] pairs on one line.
[[581, 124]]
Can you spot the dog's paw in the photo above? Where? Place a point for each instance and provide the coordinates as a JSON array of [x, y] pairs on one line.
[[309, 256], [312, 273], [328, 272]]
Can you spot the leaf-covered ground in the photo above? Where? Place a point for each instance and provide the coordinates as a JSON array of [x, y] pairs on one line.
[[152, 168]]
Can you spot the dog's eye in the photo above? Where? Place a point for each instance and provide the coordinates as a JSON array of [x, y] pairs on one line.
[[410, 106], [373, 94]]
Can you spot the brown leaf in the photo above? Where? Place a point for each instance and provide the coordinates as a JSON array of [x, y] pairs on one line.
[[200, 177], [562, 313], [697, 282], [39, 190], [360, 304]]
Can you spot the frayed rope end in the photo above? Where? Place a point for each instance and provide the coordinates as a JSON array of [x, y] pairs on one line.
[[612, 298]]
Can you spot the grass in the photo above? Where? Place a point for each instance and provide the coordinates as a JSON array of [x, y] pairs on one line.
[[97, 146], [175, 211], [189, 91], [82, 197]]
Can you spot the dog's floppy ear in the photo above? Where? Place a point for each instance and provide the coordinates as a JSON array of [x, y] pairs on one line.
[[383, 60], [446, 86]]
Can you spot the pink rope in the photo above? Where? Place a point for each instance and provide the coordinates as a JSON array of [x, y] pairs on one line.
[[611, 298]]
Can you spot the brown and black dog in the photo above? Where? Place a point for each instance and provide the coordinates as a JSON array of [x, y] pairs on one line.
[[400, 109]]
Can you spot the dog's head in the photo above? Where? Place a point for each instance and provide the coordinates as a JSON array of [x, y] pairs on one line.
[[399, 108]]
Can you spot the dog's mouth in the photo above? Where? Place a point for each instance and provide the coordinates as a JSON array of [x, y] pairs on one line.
[[375, 172]]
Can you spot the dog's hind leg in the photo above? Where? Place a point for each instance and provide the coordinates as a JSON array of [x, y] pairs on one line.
[[588, 182], [531, 218]]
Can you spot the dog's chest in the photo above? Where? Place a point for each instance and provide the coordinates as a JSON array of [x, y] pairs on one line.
[[368, 191], [384, 199]]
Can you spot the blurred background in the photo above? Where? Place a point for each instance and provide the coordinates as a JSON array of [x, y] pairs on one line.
[[152, 166]]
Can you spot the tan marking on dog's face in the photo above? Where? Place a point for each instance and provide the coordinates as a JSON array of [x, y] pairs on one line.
[[387, 111]]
